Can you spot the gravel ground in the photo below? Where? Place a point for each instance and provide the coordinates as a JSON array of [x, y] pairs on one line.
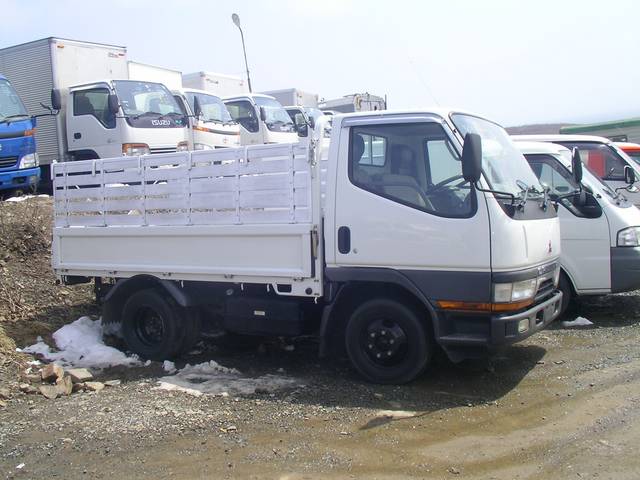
[[563, 404]]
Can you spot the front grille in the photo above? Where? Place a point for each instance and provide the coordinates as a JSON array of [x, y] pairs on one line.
[[545, 287], [6, 162], [163, 150]]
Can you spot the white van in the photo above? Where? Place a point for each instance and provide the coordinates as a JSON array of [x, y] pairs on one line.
[[262, 119], [210, 123], [600, 234], [603, 157]]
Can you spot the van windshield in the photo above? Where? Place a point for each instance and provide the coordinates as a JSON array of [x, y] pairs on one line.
[[503, 165], [213, 110], [11, 107]]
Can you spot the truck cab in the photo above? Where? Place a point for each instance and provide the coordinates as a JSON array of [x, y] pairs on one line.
[[210, 123], [110, 118], [262, 119], [19, 167], [600, 228], [603, 157]]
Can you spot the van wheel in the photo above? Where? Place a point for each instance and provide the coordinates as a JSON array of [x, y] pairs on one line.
[[151, 325], [564, 285], [387, 342]]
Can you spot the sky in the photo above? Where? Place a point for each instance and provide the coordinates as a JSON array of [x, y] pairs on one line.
[[516, 62]]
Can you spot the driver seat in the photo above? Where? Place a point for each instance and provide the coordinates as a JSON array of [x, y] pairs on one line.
[[401, 183]]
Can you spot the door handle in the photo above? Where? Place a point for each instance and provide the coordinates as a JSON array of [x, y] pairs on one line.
[[344, 240], [77, 135]]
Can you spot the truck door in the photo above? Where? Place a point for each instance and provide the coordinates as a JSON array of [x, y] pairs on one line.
[[244, 112], [91, 128], [584, 232], [401, 203]]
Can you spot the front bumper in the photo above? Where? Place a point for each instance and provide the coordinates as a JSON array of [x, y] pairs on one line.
[[24, 178], [625, 269]]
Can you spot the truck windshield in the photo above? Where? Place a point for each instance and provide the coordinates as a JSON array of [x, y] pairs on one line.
[[503, 165], [213, 110], [145, 98], [278, 119], [11, 107]]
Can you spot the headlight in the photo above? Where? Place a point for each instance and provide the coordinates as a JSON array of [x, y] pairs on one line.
[[135, 149], [514, 292], [182, 147], [629, 237], [29, 160], [202, 146]]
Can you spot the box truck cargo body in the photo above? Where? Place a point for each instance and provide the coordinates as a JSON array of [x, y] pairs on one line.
[[217, 83], [294, 96], [172, 79], [37, 67], [357, 102]]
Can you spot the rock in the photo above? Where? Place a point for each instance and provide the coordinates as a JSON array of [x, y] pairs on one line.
[[26, 388], [32, 378], [4, 394], [78, 387], [261, 391], [94, 386], [64, 385], [454, 470], [49, 391], [79, 375], [52, 372], [3, 404], [112, 383]]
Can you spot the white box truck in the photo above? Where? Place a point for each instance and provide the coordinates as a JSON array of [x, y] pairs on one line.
[[383, 258], [294, 97], [357, 102], [172, 79], [101, 113], [217, 83]]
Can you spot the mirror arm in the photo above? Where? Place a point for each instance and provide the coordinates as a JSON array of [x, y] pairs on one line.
[[496, 192]]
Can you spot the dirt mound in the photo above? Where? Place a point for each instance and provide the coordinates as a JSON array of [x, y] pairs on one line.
[[31, 304]]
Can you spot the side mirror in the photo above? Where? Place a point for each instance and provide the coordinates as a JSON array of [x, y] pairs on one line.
[[301, 125], [312, 122], [113, 104], [56, 103], [263, 114], [576, 165], [472, 157], [197, 109], [629, 175]]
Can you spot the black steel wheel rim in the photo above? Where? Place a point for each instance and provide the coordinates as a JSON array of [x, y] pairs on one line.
[[149, 326], [385, 342]]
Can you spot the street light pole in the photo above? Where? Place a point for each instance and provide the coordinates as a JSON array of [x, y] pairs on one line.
[[236, 20]]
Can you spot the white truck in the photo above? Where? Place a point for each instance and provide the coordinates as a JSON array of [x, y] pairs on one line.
[[356, 102], [294, 96], [600, 229], [603, 157], [262, 119], [98, 118], [210, 123], [435, 243], [217, 83]]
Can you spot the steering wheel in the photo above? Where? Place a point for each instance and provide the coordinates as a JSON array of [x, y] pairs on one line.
[[446, 181], [421, 194]]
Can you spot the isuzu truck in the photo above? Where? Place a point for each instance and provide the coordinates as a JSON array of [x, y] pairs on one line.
[[444, 239]]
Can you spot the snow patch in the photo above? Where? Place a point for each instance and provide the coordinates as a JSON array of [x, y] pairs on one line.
[[214, 379], [169, 366], [578, 322], [80, 344], [22, 198]]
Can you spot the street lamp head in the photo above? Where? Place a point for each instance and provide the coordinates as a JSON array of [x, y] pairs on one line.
[[236, 19]]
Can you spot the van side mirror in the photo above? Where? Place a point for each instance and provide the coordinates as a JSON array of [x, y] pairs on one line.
[[301, 125], [56, 102], [113, 103], [576, 165], [312, 122], [472, 157], [197, 108], [629, 175], [263, 114]]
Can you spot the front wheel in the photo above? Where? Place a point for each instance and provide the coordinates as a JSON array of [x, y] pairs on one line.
[[564, 285], [387, 342]]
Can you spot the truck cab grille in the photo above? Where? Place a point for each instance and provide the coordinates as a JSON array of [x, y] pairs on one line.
[[162, 150], [6, 162]]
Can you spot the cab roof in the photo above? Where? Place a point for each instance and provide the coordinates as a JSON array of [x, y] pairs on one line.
[[539, 147], [561, 138]]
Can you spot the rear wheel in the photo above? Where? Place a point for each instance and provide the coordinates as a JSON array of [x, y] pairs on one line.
[[151, 325], [387, 342]]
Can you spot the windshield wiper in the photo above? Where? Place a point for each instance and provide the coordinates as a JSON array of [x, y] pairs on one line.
[[8, 118]]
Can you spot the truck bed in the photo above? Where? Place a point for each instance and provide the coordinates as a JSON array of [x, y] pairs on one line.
[[242, 215]]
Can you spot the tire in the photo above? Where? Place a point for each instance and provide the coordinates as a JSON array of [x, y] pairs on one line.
[[564, 285], [387, 342], [191, 328], [152, 325]]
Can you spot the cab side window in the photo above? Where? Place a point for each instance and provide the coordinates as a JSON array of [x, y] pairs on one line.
[[552, 174], [243, 112], [94, 102], [412, 164]]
